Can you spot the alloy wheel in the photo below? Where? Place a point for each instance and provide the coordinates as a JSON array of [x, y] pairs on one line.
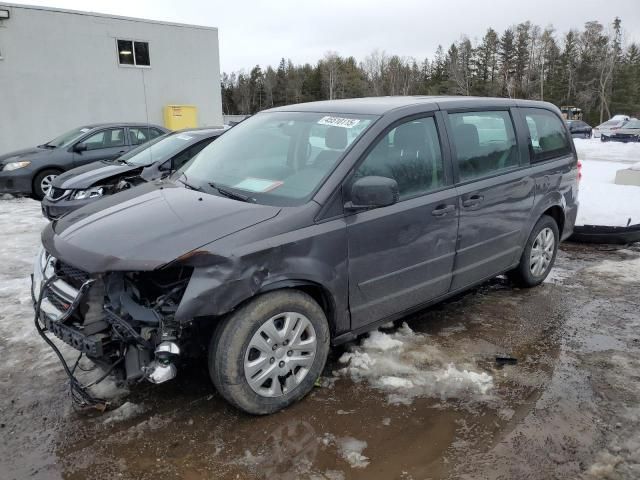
[[46, 183], [542, 252]]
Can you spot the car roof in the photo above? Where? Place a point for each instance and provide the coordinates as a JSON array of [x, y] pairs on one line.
[[383, 105], [121, 124], [202, 132]]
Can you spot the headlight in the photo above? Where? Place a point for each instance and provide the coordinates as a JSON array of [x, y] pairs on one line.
[[15, 165], [94, 192]]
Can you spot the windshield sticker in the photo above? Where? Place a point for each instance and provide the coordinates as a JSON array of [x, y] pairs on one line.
[[339, 122], [182, 136], [260, 185]]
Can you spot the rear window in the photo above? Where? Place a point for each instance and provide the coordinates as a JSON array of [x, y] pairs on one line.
[[547, 135]]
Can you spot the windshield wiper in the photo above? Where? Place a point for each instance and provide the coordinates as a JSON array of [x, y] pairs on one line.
[[188, 185], [46, 145], [233, 195]]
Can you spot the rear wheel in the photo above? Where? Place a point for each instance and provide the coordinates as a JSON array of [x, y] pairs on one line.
[[603, 138], [42, 183], [269, 353], [539, 254]]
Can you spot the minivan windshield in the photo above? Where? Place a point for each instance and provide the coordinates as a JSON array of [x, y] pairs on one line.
[[66, 138], [158, 150], [276, 158]]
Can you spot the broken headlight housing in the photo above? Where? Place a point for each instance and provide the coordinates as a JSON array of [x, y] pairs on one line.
[[94, 192]]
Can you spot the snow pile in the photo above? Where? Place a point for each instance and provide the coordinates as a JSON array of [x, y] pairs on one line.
[[594, 149], [406, 365], [350, 449], [125, 412], [602, 202]]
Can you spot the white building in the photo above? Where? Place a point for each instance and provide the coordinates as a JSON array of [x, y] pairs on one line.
[[60, 69]]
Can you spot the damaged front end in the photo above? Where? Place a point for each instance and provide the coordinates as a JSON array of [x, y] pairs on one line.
[[124, 322]]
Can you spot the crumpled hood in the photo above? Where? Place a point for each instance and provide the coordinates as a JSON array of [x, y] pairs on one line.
[[94, 173], [146, 227], [25, 153]]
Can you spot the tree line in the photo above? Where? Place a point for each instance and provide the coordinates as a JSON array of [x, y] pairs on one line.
[[591, 69]]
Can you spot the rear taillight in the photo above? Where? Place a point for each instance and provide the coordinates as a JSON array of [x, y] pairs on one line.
[[579, 170]]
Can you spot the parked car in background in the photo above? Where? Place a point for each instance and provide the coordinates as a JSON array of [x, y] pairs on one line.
[[606, 129], [306, 226], [157, 159], [31, 171], [579, 129], [630, 132]]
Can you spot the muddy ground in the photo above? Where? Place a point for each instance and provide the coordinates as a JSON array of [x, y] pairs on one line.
[[443, 408]]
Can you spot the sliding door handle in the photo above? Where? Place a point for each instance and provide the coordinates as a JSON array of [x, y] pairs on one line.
[[442, 210], [472, 201]]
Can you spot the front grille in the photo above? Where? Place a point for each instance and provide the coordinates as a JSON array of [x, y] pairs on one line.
[[72, 275], [56, 193]]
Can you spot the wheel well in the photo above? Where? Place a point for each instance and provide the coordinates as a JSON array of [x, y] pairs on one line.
[[315, 291], [39, 171], [557, 214]]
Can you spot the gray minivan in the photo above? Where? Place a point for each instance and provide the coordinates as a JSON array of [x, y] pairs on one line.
[[306, 226]]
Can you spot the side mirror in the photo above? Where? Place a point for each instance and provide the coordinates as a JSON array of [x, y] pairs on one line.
[[80, 147], [373, 192], [165, 167]]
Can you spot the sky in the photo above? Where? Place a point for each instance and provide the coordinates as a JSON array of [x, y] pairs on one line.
[[263, 31]]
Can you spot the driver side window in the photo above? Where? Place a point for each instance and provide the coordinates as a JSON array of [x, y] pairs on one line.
[[409, 154]]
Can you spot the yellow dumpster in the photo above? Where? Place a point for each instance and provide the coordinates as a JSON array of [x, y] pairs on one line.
[[177, 117]]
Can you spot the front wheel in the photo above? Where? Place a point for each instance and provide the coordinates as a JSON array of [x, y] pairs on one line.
[[42, 183], [539, 254], [269, 353]]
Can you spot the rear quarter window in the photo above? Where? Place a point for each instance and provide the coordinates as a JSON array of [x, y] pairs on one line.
[[548, 137]]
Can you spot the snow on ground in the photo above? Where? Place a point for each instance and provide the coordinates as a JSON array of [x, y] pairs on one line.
[[124, 412], [594, 149], [405, 365], [350, 449], [627, 271], [601, 201], [21, 222]]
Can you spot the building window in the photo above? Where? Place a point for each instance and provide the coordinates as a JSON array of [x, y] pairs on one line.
[[133, 53]]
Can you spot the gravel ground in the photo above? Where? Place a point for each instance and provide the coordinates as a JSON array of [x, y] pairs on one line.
[[421, 399]]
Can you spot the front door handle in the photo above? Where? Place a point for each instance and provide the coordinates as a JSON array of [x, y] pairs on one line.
[[473, 201], [442, 210]]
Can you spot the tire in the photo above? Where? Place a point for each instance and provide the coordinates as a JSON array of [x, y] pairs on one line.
[[45, 176], [239, 351], [529, 274], [603, 138]]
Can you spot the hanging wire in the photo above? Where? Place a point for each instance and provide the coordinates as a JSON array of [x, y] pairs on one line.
[[79, 393]]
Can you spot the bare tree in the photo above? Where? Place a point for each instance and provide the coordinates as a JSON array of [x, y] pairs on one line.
[[374, 66], [331, 73]]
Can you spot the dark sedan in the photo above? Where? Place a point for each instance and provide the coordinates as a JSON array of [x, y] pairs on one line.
[[579, 129], [31, 171], [156, 159]]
